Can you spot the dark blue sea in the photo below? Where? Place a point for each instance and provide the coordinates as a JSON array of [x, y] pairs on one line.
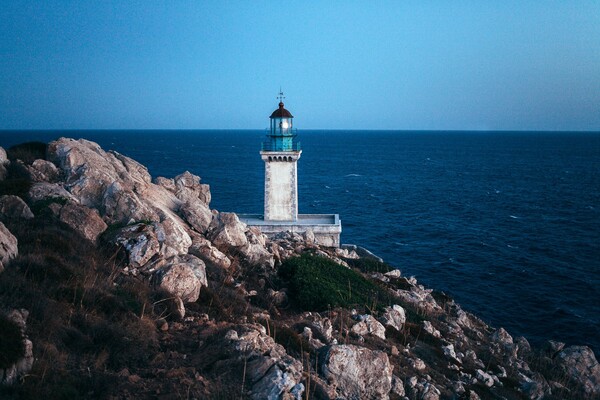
[[507, 223]]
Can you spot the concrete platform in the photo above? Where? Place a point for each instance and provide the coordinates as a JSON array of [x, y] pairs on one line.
[[326, 227]]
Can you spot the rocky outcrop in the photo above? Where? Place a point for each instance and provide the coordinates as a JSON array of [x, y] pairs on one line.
[[581, 365], [8, 246], [394, 316], [272, 373], [13, 207], [182, 277], [23, 365], [3, 164], [368, 325], [357, 372], [82, 219]]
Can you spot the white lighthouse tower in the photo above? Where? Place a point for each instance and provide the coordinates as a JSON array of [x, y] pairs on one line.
[[280, 153]]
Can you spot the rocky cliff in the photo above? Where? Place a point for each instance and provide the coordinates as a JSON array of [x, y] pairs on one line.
[[117, 285]]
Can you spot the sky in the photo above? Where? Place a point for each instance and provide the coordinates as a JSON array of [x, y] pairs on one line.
[[400, 65]]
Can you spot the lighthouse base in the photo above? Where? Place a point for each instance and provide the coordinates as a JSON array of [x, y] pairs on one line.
[[326, 228]]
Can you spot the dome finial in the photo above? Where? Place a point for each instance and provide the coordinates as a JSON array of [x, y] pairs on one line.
[[280, 97]]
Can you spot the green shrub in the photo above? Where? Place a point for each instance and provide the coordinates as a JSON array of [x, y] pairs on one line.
[[317, 283], [12, 347], [370, 265]]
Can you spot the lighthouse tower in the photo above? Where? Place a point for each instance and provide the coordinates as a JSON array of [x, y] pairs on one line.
[[281, 152]]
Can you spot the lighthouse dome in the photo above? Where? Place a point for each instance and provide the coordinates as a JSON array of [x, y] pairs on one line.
[[281, 112]]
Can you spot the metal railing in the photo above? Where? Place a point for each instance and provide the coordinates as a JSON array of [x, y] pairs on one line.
[[279, 145]]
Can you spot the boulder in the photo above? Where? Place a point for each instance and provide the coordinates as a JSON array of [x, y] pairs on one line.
[[3, 163], [188, 189], [179, 280], [172, 236], [227, 232], [84, 220], [13, 207], [429, 328], [368, 325], [140, 243], [8, 246], [3, 156], [197, 214], [271, 372], [22, 367], [356, 372], [255, 251], [42, 171], [394, 316], [44, 191], [580, 364], [203, 249]]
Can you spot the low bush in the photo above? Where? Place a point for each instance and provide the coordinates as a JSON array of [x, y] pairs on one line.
[[370, 265], [317, 283]]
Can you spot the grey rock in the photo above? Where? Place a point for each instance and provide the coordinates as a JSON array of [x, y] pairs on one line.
[[356, 372], [394, 316], [43, 171], [8, 246], [368, 325], [179, 280], [139, 241], [84, 220], [43, 191], [189, 189], [13, 207], [580, 363], [23, 366], [203, 249]]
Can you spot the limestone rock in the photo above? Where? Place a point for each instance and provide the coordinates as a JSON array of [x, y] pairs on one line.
[[227, 232], [23, 366], [179, 280], [369, 325], [203, 249], [502, 337], [42, 171], [255, 251], [172, 236], [8, 246], [356, 372], [580, 363], [13, 207], [197, 214], [140, 243], [189, 189], [83, 220], [429, 328], [3, 156], [272, 373], [484, 378], [43, 190], [394, 316]]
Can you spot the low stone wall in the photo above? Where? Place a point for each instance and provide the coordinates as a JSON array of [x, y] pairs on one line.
[[325, 234]]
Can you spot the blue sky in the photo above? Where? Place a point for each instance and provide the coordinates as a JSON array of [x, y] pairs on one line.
[[476, 65]]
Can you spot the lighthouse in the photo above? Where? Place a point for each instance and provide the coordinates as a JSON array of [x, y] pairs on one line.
[[280, 152]]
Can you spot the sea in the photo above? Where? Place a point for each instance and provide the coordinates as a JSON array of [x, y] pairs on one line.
[[506, 223]]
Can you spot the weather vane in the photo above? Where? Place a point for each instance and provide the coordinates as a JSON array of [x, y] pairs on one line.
[[281, 96]]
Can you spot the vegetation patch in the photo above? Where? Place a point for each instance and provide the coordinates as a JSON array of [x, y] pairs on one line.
[[370, 265], [12, 347], [317, 283]]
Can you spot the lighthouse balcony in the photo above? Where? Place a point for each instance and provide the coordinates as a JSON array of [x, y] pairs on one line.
[[281, 144]]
